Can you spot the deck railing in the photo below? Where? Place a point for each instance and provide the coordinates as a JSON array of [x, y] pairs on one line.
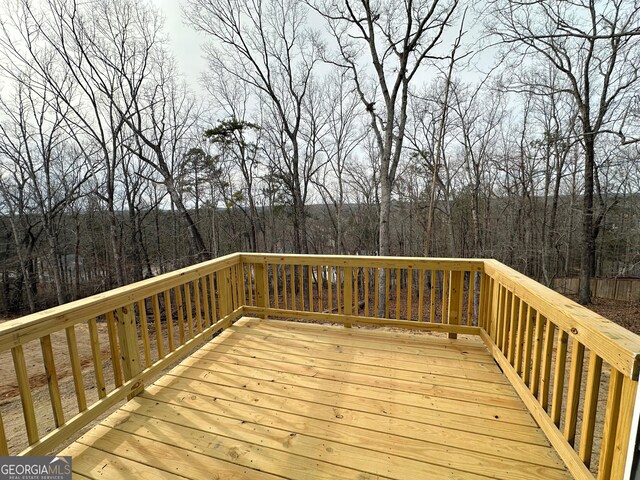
[[537, 337], [146, 326]]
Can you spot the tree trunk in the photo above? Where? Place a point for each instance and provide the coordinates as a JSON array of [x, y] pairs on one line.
[[588, 234], [384, 246], [198, 248]]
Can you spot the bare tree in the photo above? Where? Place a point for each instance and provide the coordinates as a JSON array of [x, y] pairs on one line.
[[398, 37], [268, 45], [344, 134], [38, 147], [594, 46]]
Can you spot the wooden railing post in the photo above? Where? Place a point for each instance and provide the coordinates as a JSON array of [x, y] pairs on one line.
[[261, 287], [348, 294], [624, 435], [455, 300], [128, 339]]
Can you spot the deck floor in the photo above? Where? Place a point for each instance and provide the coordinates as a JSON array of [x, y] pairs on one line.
[[271, 399]]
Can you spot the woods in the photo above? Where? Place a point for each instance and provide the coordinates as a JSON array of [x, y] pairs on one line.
[[440, 128]]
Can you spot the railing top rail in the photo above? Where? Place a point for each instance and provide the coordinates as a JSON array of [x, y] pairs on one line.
[[613, 343], [36, 325], [427, 263]]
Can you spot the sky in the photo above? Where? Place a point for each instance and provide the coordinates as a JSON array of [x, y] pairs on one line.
[[186, 45], [185, 42]]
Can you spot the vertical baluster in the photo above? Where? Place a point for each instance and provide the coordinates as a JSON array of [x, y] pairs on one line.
[[445, 297], [189, 302], [212, 298], [421, 274], [22, 376], [249, 283], [339, 283], [242, 294], [508, 305], [494, 292], [376, 291], [276, 288], [168, 313], [52, 380], [409, 294], [522, 310], [128, 338], [330, 288], [292, 280], [528, 336], [198, 306], [356, 304], [501, 305], [265, 281], [284, 287], [177, 291], [623, 431], [348, 293], [233, 288], [144, 331], [158, 326], [4, 448], [226, 302], [573, 393], [205, 302], [366, 291], [455, 301], [320, 281], [76, 368], [432, 299], [261, 287], [558, 377], [590, 408], [113, 349], [398, 282], [97, 358], [310, 286], [537, 354], [470, 299], [301, 286], [610, 425], [513, 327], [387, 295], [547, 356]]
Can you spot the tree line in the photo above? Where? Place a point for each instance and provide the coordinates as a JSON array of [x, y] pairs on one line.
[[350, 127]]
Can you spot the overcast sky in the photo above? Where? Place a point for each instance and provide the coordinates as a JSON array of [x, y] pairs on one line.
[[186, 43]]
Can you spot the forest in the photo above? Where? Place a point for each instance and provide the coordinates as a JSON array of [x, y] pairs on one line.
[[499, 129]]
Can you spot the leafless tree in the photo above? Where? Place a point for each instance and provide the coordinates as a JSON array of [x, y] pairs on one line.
[[396, 37], [268, 45], [594, 46]]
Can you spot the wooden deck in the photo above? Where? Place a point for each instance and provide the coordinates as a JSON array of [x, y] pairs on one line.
[[269, 399]]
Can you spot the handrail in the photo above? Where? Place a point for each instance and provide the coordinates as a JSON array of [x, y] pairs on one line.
[[614, 343], [430, 263], [31, 327], [530, 330], [150, 324]]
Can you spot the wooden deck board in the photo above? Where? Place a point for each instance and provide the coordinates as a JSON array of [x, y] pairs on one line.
[[268, 400]]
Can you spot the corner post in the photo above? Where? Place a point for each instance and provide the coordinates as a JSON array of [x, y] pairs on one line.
[[129, 353]]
